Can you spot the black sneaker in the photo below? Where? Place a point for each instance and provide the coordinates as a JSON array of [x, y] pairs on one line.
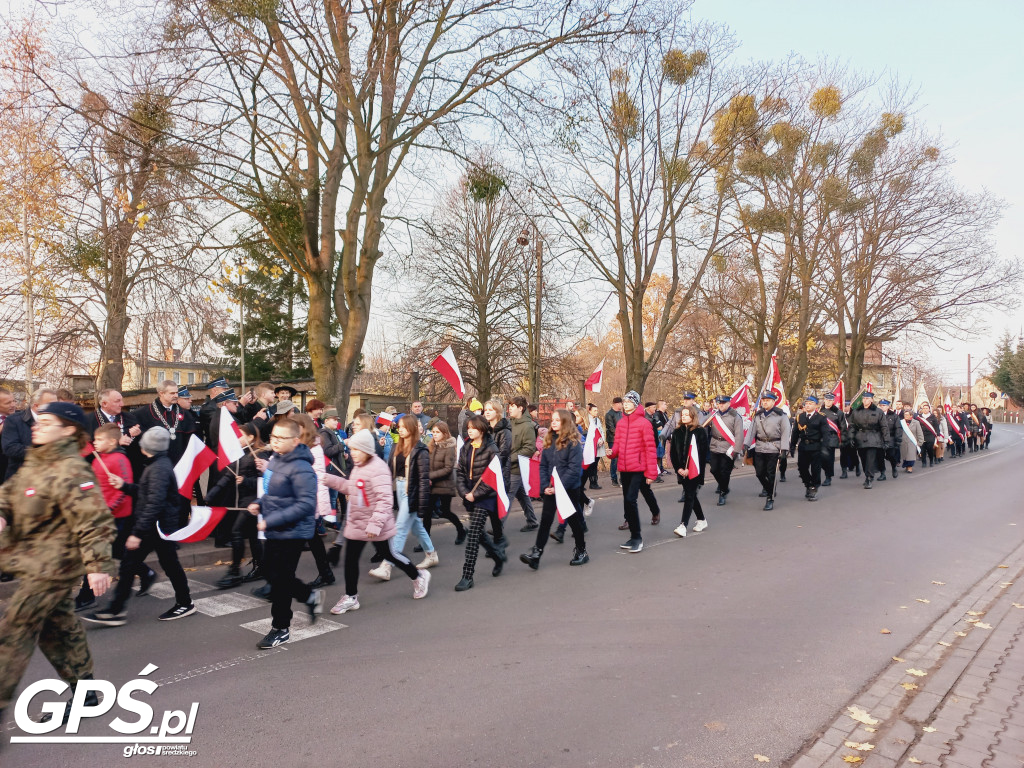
[[82, 603], [273, 639], [315, 604], [635, 545], [107, 618], [460, 537], [145, 582], [178, 611], [263, 592], [463, 585], [529, 527], [579, 557]]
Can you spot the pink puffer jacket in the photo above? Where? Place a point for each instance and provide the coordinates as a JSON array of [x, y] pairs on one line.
[[323, 498], [369, 507]]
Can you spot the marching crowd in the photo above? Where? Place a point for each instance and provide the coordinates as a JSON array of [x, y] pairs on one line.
[[81, 490]]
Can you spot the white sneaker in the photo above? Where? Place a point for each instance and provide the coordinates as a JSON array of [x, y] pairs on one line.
[[346, 604], [680, 531], [429, 561], [588, 510], [700, 526], [420, 586], [382, 571]]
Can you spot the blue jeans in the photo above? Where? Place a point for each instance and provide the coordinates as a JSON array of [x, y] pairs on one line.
[[615, 470], [408, 521]]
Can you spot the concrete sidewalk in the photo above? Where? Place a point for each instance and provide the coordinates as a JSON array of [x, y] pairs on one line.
[[952, 699]]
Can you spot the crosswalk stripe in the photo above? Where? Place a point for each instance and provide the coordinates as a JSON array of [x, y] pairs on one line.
[[163, 589], [227, 603], [301, 628]]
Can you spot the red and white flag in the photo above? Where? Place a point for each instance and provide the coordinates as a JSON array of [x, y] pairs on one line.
[[693, 459], [229, 444], [564, 507], [196, 460], [726, 433], [840, 394], [446, 365], [529, 470], [201, 523], [385, 419], [741, 399], [493, 478], [869, 387], [773, 383], [593, 383], [590, 445]]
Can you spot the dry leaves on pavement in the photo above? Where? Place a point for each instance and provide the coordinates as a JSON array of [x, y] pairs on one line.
[[762, 759], [909, 686], [922, 600], [929, 729], [884, 631], [861, 716], [852, 759], [865, 747], [939, 583], [943, 642], [983, 625], [914, 760], [916, 672], [975, 613], [960, 634], [898, 659]]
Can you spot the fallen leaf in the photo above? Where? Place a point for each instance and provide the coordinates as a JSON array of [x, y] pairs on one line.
[[865, 747], [929, 729], [975, 613], [190, 570], [939, 583], [922, 600], [1018, 605], [762, 759], [1004, 566], [861, 716], [852, 759], [898, 659], [960, 634], [870, 730], [903, 607], [884, 631], [909, 686], [1005, 584], [914, 760], [715, 726], [972, 621], [916, 672], [983, 625], [943, 642]]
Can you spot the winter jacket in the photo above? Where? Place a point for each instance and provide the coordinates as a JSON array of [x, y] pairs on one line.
[[634, 445], [770, 432], [16, 439], [501, 433], [58, 527], [228, 492], [566, 461], [323, 496], [611, 421], [679, 450], [811, 431], [838, 418], [334, 450], [157, 500], [370, 500], [471, 464], [892, 422], [524, 438], [909, 451], [289, 501], [869, 427], [442, 468], [114, 463], [932, 421], [734, 422], [417, 477]]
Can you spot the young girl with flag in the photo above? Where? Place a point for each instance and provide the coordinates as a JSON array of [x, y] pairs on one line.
[[562, 455], [480, 499], [442, 479], [688, 454]]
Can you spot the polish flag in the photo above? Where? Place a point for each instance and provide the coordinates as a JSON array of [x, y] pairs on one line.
[[693, 460], [196, 460], [840, 394], [385, 419], [594, 382], [590, 446], [869, 387], [564, 507], [773, 383], [229, 444], [741, 399], [446, 365], [201, 523], [529, 470], [493, 478]]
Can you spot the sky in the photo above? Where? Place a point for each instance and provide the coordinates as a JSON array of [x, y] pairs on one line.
[[966, 63]]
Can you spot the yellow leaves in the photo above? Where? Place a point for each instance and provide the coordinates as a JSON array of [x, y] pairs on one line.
[[975, 613], [893, 123], [983, 625], [826, 102], [960, 634], [864, 747], [1018, 605], [929, 729], [914, 760], [944, 643], [916, 672], [625, 116], [1004, 566], [140, 222], [861, 716], [898, 660], [909, 686], [141, 206], [939, 583], [762, 759], [736, 120], [884, 631], [680, 66], [923, 600], [870, 730], [1005, 584], [852, 759]]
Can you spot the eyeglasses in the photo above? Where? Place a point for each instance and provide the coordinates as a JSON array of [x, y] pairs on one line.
[[283, 437]]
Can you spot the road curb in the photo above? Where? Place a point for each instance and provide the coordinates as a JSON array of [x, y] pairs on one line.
[[957, 669]]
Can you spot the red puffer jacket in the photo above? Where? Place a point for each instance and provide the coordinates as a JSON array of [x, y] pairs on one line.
[[634, 445]]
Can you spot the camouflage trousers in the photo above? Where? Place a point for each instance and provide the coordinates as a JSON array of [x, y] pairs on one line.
[[43, 614]]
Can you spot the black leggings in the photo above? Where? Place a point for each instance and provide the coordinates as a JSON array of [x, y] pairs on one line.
[[690, 501], [316, 546], [245, 528], [547, 518], [445, 502], [353, 551]]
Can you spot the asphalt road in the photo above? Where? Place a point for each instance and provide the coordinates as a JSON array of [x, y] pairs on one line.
[[743, 640]]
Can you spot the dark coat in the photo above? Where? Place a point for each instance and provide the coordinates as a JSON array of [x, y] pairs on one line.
[[679, 450], [289, 504], [470, 466], [442, 468], [186, 427], [837, 417], [16, 439], [811, 431], [892, 422], [157, 498], [417, 475], [524, 441], [334, 450], [227, 492], [567, 461], [501, 433], [869, 427], [611, 420]]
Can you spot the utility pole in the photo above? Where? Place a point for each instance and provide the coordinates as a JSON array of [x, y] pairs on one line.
[[535, 372], [968, 376], [241, 323]]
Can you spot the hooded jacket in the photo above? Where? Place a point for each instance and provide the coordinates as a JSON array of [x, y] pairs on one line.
[[634, 445], [524, 438], [442, 468], [370, 499], [567, 461], [157, 500], [417, 475], [289, 500], [471, 464], [869, 427]]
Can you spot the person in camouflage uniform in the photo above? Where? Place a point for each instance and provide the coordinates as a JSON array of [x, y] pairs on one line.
[[54, 527]]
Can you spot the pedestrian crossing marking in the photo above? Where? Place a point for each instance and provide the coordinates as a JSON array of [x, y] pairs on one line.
[[227, 603], [301, 628], [163, 589]]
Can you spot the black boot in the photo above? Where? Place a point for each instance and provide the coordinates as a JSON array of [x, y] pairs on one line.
[[867, 483], [579, 557], [827, 482], [858, 471], [682, 497], [769, 505], [844, 475], [230, 579], [895, 473], [812, 494], [782, 477], [499, 557], [334, 555], [721, 499], [881, 476], [763, 494], [558, 535], [325, 579], [255, 572], [532, 558], [460, 537]]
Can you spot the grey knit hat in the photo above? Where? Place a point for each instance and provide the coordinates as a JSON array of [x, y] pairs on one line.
[[362, 441], [633, 397], [155, 440]]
